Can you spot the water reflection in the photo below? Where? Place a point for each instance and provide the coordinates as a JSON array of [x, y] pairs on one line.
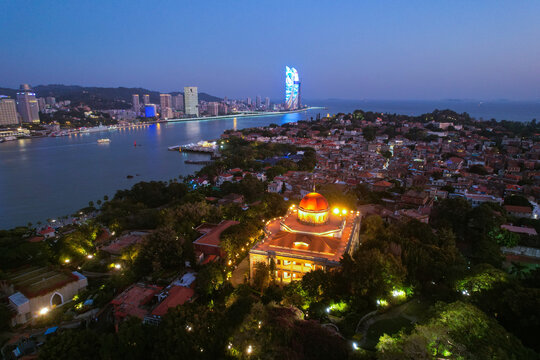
[[72, 170]]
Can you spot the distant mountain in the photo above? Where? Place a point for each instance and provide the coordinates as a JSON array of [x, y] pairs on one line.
[[98, 97]]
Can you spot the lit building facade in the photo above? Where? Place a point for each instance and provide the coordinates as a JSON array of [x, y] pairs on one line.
[[27, 105], [8, 111], [178, 102], [135, 103], [292, 89], [213, 108], [146, 99], [191, 101], [309, 237], [150, 111]]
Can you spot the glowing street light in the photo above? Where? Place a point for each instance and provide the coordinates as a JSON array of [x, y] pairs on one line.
[[67, 261], [355, 346], [89, 256], [249, 349], [336, 211], [43, 311], [344, 212], [117, 266]]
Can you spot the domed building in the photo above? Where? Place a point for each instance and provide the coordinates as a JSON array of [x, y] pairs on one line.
[[313, 209], [310, 236]]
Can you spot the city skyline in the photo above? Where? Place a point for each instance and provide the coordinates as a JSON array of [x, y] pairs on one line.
[[405, 51]]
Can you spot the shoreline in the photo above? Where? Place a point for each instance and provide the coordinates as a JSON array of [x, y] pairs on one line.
[[232, 116]]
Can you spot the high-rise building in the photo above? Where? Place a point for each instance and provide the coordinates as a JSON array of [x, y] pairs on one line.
[[178, 102], [248, 101], [166, 113], [41, 104], [146, 99], [27, 104], [135, 103], [191, 101], [8, 111], [258, 101], [292, 89], [223, 109], [213, 108], [165, 101], [50, 100], [267, 103]]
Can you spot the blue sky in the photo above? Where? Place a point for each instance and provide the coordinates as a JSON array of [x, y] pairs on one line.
[[342, 49]]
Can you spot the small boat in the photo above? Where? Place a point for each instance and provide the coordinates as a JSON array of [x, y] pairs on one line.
[[104, 141]]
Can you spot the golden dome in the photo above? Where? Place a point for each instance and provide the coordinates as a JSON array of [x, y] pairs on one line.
[[314, 202], [313, 209]]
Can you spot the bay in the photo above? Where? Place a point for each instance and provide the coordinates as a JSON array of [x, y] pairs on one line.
[[50, 177]]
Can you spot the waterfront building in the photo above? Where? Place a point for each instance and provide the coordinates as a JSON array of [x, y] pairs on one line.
[[223, 109], [27, 105], [167, 113], [150, 110], [267, 103], [248, 101], [292, 89], [191, 100], [41, 104], [8, 111], [135, 103], [146, 99], [165, 101], [178, 102], [258, 101], [309, 237], [165, 104], [213, 108]]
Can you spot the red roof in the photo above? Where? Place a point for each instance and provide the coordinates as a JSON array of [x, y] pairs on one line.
[[130, 302], [47, 231], [178, 295], [213, 232], [383, 183]]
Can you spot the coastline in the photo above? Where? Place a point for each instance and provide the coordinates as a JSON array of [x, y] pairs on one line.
[[232, 116]]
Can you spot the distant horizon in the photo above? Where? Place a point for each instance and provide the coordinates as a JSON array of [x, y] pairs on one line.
[[346, 50], [449, 99]]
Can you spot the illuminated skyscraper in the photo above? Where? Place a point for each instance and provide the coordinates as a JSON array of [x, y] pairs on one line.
[[191, 101], [27, 104], [165, 101], [267, 103], [8, 111], [292, 89]]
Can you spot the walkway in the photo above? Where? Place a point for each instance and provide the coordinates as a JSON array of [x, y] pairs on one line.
[[240, 273]]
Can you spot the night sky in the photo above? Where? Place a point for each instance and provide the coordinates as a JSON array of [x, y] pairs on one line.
[[342, 49]]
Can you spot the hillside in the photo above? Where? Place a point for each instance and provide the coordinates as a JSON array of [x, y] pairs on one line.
[[98, 97]]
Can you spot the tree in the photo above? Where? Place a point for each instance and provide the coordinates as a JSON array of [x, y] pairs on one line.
[[210, 278], [162, 249], [261, 279], [456, 331], [72, 344]]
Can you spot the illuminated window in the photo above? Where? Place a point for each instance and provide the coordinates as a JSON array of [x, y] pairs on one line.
[[293, 275], [286, 262], [286, 275], [307, 265]]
